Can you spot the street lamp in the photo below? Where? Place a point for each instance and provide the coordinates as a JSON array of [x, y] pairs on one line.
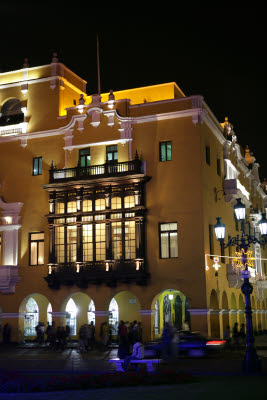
[[251, 361]]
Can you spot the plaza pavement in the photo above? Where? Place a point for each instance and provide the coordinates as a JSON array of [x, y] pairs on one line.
[[220, 373]]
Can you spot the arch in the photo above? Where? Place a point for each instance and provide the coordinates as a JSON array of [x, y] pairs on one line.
[[214, 315], [91, 312], [11, 112], [82, 302], [42, 305], [49, 314], [114, 316], [170, 305], [71, 313], [123, 306], [31, 317]]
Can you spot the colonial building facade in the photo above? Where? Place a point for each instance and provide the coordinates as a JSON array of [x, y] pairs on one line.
[[108, 203]]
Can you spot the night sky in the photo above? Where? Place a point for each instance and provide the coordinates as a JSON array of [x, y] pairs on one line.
[[216, 52]]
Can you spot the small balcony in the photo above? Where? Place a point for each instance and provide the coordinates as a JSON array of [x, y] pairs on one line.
[[110, 273], [117, 169]]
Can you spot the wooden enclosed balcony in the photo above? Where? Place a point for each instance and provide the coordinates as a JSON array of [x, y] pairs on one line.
[[106, 170], [109, 273]]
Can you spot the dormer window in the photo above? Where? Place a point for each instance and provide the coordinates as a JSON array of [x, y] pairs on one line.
[[11, 113]]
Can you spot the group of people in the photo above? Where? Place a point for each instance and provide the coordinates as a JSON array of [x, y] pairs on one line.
[[238, 336], [56, 338], [87, 337], [128, 335]]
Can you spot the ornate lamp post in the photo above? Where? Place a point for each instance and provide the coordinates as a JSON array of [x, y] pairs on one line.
[[251, 361]]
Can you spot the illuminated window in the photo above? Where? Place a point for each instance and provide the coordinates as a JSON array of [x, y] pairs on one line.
[[100, 241], [168, 240], [100, 204], [112, 153], [88, 242], [60, 244], [37, 166], [71, 243], [59, 208], [130, 251], [87, 205], [165, 151], [37, 248], [115, 203], [72, 207], [129, 201], [116, 233]]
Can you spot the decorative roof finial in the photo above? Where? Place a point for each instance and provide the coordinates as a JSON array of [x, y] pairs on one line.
[[228, 128], [249, 156], [81, 100], [111, 95]]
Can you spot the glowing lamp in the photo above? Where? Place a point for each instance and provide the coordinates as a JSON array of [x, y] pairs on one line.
[[219, 228], [240, 210], [263, 225], [170, 296]]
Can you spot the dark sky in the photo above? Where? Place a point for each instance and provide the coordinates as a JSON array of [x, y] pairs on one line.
[[216, 52]]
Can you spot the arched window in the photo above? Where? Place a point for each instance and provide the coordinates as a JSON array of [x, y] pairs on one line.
[[114, 316], [49, 314], [91, 312], [11, 113], [71, 312], [31, 317]]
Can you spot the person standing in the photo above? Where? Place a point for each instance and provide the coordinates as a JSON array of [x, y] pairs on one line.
[[235, 335]]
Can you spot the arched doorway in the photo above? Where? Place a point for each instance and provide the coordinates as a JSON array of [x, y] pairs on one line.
[[178, 312], [31, 318], [49, 314], [167, 314], [35, 310], [79, 309], [71, 313], [113, 316], [91, 312], [170, 306], [225, 312], [123, 306]]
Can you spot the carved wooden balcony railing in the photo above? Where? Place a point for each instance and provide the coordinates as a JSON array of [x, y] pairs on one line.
[[96, 171], [109, 273]]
